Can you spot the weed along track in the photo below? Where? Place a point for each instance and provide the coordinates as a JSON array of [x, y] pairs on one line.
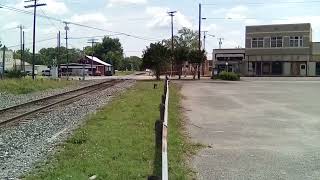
[[21, 113]]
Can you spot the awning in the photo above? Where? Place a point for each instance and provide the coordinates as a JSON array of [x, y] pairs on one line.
[[230, 55]]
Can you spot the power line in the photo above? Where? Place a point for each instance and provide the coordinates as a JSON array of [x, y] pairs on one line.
[[262, 3], [50, 20], [87, 37], [230, 18], [39, 41], [80, 25]]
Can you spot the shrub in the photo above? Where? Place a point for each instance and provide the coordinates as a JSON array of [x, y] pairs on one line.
[[229, 76], [14, 74]]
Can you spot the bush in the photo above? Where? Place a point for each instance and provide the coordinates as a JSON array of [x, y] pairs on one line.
[[229, 76], [14, 74]]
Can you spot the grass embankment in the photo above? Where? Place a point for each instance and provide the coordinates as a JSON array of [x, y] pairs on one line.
[[26, 85], [119, 141], [123, 73]]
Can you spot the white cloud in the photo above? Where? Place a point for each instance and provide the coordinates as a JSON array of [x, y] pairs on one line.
[[53, 7], [161, 19], [238, 12], [11, 25], [314, 20], [97, 18], [125, 2]]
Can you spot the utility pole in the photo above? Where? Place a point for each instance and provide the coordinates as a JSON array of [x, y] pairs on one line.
[[204, 39], [34, 6], [21, 47], [92, 41], [199, 38], [66, 28], [22, 53], [58, 54], [204, 48], [3, 60], [83, 65], [171, 14], [220, 42]]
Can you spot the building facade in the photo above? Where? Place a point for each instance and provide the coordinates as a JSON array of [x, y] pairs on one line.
[[10, 63], [315, 62], [87, 65], [279, 50], [230, 60]]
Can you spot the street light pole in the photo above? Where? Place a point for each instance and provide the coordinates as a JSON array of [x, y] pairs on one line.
[[199, 38], [171, 13]]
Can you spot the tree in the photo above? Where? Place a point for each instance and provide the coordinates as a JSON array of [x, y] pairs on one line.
[[132, 63], [185, 41], [110, 51], [47, 55], [196, 57], [156, 57], [181, 54]]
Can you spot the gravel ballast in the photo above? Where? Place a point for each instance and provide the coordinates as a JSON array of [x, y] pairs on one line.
[[22, 146], [7, 99]]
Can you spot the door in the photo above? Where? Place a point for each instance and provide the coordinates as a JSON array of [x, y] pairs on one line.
[[303, 70], [277, 68], [318, 68]]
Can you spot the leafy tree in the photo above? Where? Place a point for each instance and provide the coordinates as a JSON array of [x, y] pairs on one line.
[[132, 63], [181, 54], [110, 50], [196, 57], [156, 57], [46, 55], [185, 41]]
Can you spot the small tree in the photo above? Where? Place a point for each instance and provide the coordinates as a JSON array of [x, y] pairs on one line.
[[156, 57], [181, 55], [196, 57]]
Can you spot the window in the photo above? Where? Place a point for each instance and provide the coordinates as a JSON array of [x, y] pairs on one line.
[[296, 41], [276, 41], [257, 42]]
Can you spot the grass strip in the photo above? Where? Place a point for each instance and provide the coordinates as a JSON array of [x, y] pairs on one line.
[[118, 142], [25, 86], [123, 73]]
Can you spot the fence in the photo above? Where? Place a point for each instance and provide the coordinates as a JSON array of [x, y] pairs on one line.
[[165, 99], [161, 131]]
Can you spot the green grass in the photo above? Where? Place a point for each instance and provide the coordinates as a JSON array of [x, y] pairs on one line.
[[27, 85], [123, 73], [119, 141]]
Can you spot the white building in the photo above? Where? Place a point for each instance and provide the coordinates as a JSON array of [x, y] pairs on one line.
[[10, 63]]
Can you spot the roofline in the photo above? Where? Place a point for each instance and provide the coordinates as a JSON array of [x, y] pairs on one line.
[[280, 24], [231, 49]]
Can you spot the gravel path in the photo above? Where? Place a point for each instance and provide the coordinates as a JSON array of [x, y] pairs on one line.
[[7, 99], [24, 145]]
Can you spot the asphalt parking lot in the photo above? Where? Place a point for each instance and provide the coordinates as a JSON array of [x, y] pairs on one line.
[[254, 129]]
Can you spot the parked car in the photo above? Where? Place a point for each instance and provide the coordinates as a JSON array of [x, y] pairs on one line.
[[46, 73]]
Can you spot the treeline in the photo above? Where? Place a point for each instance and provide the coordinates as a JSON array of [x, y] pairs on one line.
[[159, 56], [109, 50]]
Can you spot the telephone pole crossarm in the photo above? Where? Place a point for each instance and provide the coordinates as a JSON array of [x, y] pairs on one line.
[[34, 6]]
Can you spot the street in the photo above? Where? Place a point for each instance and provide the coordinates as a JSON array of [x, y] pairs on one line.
[[254, 129]]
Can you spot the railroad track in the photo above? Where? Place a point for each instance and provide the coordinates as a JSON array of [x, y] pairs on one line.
[[16, 113]]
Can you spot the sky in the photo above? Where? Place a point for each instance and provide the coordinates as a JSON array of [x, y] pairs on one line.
[[148, 20]]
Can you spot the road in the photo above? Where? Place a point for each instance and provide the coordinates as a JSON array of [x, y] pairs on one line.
[[254, 129]]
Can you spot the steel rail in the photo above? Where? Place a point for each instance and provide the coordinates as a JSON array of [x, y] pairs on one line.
[[87, 89]]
